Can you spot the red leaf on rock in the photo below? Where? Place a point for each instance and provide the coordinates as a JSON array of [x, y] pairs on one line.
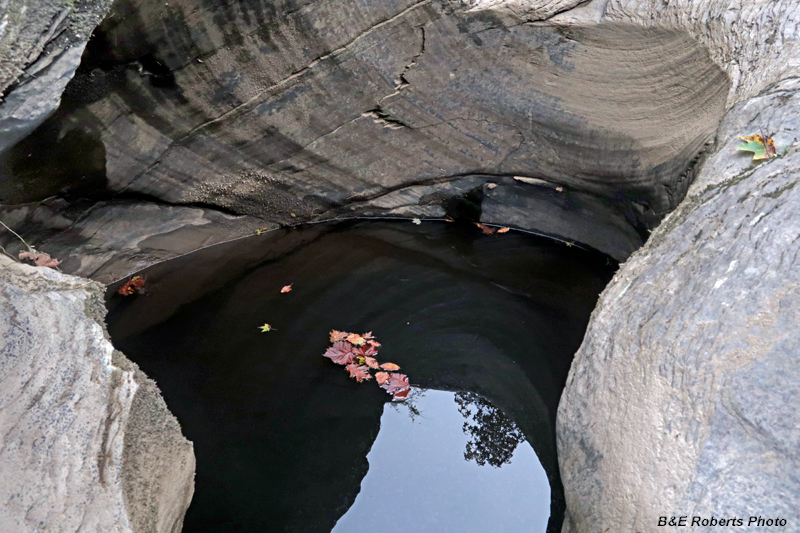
[[397, 386], [40, 258], [359, 372], [390, 366], [135, 284], [503, 230], [486, 229], [340, 353], [382, 377]]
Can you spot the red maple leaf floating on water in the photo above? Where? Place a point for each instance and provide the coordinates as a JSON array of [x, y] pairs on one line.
[[397, 386], [365, 352], [338, 335], [356, 339], [135, 284], [360, 362], [340, 353], [287, 288], [358, 372]]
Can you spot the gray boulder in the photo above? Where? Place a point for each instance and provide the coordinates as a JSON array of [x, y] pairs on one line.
[[683, 399], [88, 443]]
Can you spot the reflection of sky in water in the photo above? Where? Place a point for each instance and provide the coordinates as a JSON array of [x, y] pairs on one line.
[[418, 479]]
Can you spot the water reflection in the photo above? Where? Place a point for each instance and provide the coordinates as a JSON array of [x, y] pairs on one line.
[[493, 436], [418, 479]]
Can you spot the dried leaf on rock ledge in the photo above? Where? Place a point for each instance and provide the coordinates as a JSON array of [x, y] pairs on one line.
[[135, 284], [503, 230], [40, 258], [762, 147], [486, 229]]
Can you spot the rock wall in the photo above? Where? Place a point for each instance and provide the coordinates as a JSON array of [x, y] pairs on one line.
[[88, 443], [41, 43], [683, 399], [298, 111]]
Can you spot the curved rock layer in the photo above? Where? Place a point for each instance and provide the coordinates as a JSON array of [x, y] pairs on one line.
[[88, 443], [314, 109]]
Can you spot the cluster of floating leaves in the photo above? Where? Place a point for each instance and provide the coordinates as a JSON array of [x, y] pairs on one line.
[[357, 354]]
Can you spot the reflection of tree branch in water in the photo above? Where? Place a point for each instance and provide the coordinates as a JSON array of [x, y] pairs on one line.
[[410, 403], [493, 436]]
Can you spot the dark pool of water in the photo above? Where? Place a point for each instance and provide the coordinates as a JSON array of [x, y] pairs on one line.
[[285, 441]]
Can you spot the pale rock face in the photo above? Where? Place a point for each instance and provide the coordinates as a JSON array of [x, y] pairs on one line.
[[87, 442], [683, 399]]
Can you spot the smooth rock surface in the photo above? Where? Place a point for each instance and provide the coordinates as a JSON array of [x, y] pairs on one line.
[[325, 109], [684, 397], [87, 441], [108, 241], [41, 43]]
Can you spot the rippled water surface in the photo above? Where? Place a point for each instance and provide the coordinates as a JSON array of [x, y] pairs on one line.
[[484, 326]]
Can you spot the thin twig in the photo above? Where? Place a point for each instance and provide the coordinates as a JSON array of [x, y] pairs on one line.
[[20, 238], [9, 255]]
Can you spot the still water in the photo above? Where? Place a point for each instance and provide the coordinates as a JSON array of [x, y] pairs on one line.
[[414, 453], [485, 326]]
